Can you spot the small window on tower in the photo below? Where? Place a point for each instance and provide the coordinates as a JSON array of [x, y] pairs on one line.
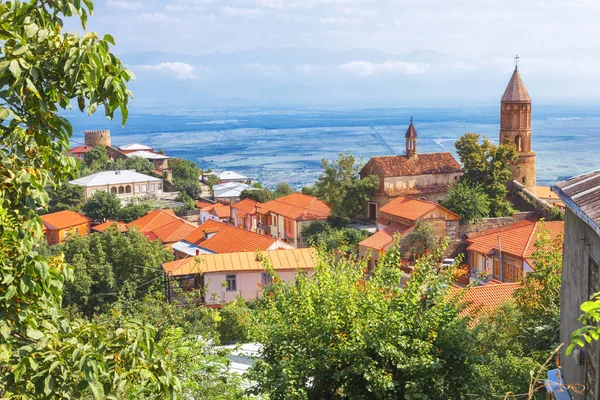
[[524, 180]]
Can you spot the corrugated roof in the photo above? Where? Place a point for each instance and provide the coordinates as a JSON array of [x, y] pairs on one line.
[[516, 90], [297, 206], [412, 209], [242, 262], [582, 195], [516, 239], [230, 189], [148, 155], [228, 238], [64, 219], [134, 146], [113, 178], [423, 164], [229, 175]]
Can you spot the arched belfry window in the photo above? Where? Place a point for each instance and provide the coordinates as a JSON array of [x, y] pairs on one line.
[[519, 142]]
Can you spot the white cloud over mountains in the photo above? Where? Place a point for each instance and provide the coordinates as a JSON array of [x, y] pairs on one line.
[[177, 70], [366, 68]]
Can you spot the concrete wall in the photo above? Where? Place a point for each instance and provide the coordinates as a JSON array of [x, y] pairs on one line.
[[579, 281]]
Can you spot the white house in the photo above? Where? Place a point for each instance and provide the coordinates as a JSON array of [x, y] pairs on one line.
[[231, 176], [229, 192], [123, 183]]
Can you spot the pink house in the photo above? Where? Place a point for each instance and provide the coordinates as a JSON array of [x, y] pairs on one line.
[[244, 214]]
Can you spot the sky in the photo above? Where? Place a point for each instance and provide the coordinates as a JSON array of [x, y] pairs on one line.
[[381, 52]]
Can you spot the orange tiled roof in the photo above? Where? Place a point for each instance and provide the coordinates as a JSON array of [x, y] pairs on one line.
[[80, 149], [297, 206], [64, 219], [228, 238], [242, 261], [381, 239], [219, 210], [103, 227], [423, 164], [202, 204], [174, 232], [246, 206], [413, 209], [516, 239], [485, 298], [153, 219]]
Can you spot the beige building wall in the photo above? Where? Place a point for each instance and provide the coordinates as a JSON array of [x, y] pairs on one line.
[[420, 181], [126, 189]]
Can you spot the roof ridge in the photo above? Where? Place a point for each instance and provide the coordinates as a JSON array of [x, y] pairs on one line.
[[529, 239]]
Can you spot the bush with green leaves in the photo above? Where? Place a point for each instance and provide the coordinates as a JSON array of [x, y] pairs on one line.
[[470, 202], [262, 195], [43, 69], [65, 197], [133, 211], [139, 164], [102, 206], [327, 235]]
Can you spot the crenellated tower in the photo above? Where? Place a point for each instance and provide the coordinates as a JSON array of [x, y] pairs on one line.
[[515, 127]]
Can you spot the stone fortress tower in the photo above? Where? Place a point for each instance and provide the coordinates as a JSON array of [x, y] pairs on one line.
[[515, 126], [97, 137]]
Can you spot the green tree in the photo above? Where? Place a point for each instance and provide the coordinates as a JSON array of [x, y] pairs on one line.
[[262, 196], [340, 186], [282, 189], [188, 202], [43, 68], [342, 238], [486, 164], [139, 164], [470, 202], [189, 188], [107, 262], [98, 159], [65, 197], [133, 211], [102, 206], [184, 170], [338, 335], [422, 239], [309, 190], [212, 180]]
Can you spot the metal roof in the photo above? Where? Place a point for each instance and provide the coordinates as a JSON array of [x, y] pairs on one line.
[[147, 154], [230, 175], [134, 146], [230, 189], [113, 178], [581, 194]]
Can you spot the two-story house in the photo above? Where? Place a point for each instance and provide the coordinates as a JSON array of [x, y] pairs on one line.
[[60, 225]]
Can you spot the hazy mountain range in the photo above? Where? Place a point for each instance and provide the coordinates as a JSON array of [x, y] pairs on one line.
[[360, 77]]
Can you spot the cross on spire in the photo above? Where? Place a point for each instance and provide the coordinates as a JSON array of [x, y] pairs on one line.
[[517, 61]]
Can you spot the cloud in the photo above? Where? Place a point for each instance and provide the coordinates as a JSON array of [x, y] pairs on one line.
[[178, 70], [306, 69], [124, 4], [366, 68], [265, 69], [157, 17], [340, 21], [241, 12]]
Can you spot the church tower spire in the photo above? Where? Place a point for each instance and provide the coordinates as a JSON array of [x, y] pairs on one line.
[[411, 140], [515, 127]]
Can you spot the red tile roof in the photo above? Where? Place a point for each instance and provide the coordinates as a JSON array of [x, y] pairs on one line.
[[228, 238], [423, 164], [202, 204], [413, 209], [381, 239], [64, 219], [103, 227], [163, 225], [80, 149], [174, 231], [218, 210], [246, 206], [153, 219], [486, 298], [297, 206], [516, 239]]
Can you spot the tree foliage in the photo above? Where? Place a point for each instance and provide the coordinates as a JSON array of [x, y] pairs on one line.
[[184, 170], [341, 238], [97, 158], [65, 197], [486, 164], [422, 239], [340, 186], [262, 195], [107, 263], [139, 164], [282, 189], [43, 354], [133, 211], [470, 202], [102, 206], [338, 335]]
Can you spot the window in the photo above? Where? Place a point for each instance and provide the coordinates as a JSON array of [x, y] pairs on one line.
[[94, 191], [143, 188], [137, 188], [231, 283], [160, 186], [266, 279], [52, 237], [152, 187], [496, 268]]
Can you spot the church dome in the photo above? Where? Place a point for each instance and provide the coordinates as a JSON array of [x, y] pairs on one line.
[[516, 91]]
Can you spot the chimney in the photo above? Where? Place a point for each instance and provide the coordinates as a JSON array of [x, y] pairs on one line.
[[197, 252]]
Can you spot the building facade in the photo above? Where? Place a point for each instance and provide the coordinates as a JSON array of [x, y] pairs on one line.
[[123, 184], [515, 127], [580, 279], [60, 225]]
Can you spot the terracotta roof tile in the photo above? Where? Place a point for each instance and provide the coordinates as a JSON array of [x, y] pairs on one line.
[[163, 225], [64, 219], [413, 209], [423, 164], [153, 219], [485, 298], [242, 261], [218, 210], [80, 149], [516, 239], [297, 206], [103, 227], [174, 231], [228, 238], [202, 204], [381, 239], [246, 206]]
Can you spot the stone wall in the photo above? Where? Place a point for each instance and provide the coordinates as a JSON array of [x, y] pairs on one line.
[[491, 223]]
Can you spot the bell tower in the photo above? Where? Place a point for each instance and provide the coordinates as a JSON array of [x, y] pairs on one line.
[[411, 140], [515, 127]]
